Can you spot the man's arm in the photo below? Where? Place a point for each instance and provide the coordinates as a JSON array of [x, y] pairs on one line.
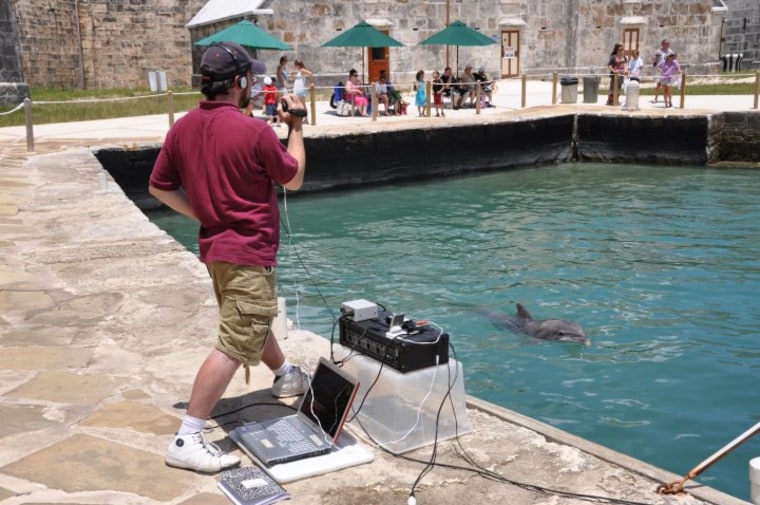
[[295, 142], [176, 199]]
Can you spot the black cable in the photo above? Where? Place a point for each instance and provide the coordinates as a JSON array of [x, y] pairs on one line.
[[235, 411], [474, 467], [366, 394], [434, 453], [305, 268]]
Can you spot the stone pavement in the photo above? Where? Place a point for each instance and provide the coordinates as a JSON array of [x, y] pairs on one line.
[[104, 320], [507, 101]]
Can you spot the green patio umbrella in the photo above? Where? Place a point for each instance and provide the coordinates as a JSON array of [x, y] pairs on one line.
[[362, 35], [246, 34], [458, 34]]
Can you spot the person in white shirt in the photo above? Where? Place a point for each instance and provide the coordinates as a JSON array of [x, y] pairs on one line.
[[634, 66], [659, 57]]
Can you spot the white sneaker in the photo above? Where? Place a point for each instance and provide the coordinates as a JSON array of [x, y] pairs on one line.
[[293, 383], [193, 452]]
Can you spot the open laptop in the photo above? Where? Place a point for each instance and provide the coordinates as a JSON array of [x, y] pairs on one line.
[[314, 429]]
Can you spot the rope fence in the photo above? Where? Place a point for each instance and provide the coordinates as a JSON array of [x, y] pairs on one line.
[[407, 95]]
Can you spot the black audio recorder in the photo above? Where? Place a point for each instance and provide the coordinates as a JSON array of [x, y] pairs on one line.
[[407, 350]]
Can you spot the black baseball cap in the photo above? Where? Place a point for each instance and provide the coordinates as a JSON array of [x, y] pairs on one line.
[[228, 59]]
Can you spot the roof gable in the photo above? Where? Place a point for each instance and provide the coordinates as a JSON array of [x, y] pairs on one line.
[[220, 10]]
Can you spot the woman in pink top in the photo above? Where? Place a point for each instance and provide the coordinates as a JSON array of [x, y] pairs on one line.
[[670, 71], [355, 92]]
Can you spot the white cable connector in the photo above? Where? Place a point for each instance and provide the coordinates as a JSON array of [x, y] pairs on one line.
[[411, 500]]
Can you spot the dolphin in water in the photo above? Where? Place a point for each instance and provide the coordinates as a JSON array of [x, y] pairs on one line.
[[545, 329]]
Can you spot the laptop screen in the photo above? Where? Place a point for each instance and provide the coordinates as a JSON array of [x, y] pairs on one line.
[[328, 400]]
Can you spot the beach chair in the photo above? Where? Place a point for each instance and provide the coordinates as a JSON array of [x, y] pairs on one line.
[[339, 103]]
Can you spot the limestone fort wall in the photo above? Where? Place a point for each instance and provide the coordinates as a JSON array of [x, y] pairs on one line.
[[114, 43]]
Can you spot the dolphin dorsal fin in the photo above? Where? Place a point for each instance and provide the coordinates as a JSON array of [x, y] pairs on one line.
[[523, 312]]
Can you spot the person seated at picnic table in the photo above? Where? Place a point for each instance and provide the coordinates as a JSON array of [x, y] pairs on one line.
[[381, 90], [487, 86], [466, 88], [395, 100], [447, 78], [355, 92]]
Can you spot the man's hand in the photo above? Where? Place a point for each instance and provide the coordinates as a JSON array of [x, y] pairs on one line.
[[291, 111]]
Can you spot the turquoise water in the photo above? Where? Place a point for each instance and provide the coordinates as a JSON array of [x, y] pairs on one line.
[[658, 264]]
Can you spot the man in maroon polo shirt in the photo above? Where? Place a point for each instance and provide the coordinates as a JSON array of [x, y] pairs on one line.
[[220, 167]]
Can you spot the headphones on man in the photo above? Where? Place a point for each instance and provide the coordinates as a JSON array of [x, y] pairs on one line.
[[242, 78]]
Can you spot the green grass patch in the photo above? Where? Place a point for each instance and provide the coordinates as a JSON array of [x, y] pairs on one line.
[[85, 105], [711, 89]]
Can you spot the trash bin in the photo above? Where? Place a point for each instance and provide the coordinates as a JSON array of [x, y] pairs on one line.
[[569, 88], [591, 89]]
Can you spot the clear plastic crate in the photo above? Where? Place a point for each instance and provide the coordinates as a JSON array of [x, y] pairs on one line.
[[401, 410]]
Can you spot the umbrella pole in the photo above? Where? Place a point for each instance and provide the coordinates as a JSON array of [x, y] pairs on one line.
[[448, 20]]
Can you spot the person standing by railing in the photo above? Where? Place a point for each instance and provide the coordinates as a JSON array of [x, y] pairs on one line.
[[617, 65], [634, 66], [659, 57], [670, 69], [420, 98], [281, 75], [300, 88]]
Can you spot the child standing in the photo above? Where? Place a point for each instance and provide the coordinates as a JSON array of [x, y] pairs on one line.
[[300, 87], [420, 99], [270, 101], [670, 70], [438, 94], [634, 66]]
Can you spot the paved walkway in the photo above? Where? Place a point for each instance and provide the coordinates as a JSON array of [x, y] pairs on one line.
[[104, 320], [507, 101]]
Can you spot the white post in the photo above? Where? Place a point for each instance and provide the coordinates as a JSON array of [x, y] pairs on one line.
[[754, 480]]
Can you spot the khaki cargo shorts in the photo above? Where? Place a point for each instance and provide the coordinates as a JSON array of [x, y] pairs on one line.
[[247, 298]]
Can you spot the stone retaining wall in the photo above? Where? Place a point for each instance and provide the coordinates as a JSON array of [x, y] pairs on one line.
[[738, 138], [352, 161]]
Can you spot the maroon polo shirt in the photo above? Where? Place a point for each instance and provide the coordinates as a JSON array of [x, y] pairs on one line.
[[228, 163]]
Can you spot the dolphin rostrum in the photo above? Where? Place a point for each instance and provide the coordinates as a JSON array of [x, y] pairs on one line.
[[545, 329]]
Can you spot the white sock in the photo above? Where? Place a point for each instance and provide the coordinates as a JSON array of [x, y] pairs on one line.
[[190, 425], [284, 369]]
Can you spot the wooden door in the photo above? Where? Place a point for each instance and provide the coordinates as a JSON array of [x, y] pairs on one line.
[[630, 40], [377, 58], [510, 53]]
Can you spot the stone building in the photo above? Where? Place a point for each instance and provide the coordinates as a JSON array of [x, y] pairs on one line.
[[741, 32], [531, 37], [115, 43]]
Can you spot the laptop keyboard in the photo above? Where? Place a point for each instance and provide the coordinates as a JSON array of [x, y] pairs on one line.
[[290, 437]]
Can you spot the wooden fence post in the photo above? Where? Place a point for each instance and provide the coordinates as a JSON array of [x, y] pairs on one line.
[[555, 75], [524, 90], [29, 124], [373, 98], [313, 99], [683, 90], [170, 105], [428, 97]]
